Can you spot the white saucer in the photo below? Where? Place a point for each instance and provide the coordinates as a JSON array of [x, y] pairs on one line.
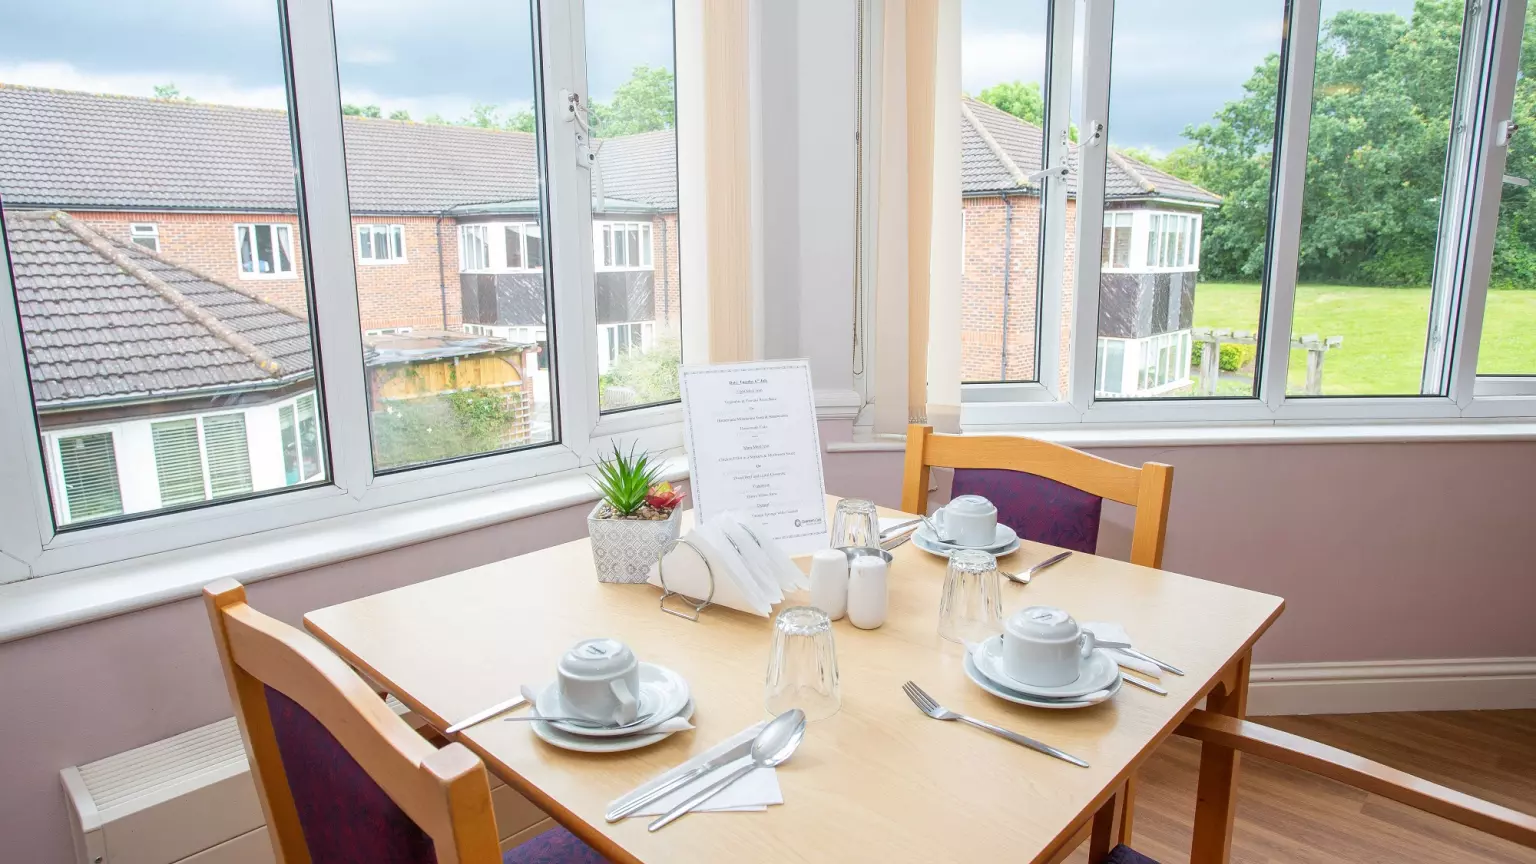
[[1017, 698], [663, 693], [1004, 537], [1098, 672], [585, 744], [922, 538]]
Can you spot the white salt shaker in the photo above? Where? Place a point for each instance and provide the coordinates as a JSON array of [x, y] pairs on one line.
[[829, 582], [867, 599]]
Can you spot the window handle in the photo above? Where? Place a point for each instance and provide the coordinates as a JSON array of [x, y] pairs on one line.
[[1516, 181], [1055, 172]]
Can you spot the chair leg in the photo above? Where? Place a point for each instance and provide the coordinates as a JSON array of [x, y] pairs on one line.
[[1216, 795], [1107, 826]]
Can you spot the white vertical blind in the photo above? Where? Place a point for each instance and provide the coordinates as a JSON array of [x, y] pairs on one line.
[[89, 466], [229, 457], [178, 462]]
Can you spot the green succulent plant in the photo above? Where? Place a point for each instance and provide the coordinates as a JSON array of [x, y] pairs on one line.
[[624, 479]]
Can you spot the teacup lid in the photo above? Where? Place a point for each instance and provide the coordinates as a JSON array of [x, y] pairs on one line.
[[600, 656], [1043, 622], [970, 504]]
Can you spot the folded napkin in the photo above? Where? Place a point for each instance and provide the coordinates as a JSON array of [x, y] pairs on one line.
[[1106, 631], [750, 573], [751, 793]]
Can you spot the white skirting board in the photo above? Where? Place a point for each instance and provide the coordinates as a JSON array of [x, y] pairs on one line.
[[1392, 685]]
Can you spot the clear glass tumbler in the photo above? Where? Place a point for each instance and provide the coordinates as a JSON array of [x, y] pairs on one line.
[[855, 523], [802, 664], [971, 607]]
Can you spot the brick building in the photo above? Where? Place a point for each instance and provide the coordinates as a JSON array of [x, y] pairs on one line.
[[1149, 257]]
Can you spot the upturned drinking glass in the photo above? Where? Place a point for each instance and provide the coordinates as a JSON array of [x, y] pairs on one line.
[[855, 523], [802, 664], [971, 607]]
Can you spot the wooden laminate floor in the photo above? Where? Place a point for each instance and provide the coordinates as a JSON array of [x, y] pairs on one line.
[[1286, 815]]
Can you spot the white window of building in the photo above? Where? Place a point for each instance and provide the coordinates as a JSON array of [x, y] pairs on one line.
[[622, 245], [87, 473], [381, 244], [614, 341], [1172, 240], [146, 234], [474, 248], [524, 246], [265, 251], [1115, 253], [299, 427], [201, 458]]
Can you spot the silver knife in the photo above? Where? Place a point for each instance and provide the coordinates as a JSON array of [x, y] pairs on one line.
[[498, 708], [1145, 685], [626, 807], [1166, 667]]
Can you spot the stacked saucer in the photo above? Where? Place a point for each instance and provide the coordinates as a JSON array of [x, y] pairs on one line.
[[663, 695], [1098, 679]]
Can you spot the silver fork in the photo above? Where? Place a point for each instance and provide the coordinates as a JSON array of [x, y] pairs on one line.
[[925, 704]]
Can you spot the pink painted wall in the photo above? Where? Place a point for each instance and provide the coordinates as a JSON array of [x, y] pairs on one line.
[[1381, 550]]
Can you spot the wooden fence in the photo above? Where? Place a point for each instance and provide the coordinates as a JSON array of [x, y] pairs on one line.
[[1211, 341]]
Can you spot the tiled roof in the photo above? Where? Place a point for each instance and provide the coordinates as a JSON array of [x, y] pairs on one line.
[[66, 149], [985, 165], [106, 321]]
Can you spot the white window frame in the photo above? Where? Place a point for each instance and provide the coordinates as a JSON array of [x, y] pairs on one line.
[[1115, 222], [1468, 222], [145, 231], [527, 233], [277, 229], [480, 233], [644, 242], [394, 238], [32, 546]]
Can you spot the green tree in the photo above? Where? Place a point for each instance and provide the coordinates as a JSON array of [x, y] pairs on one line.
[[1381, 116], [361, 110], [522, 121], [170, 92], [401, 114], [645, 103], [1023, 101]]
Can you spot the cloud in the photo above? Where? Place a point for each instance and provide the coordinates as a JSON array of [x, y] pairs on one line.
[[369, 56], [987, 58], [203, 88]]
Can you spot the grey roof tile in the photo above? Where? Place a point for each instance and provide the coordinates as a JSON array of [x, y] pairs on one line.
[[94, 331]]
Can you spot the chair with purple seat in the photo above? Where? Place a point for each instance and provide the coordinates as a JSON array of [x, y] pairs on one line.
[[341, 778]]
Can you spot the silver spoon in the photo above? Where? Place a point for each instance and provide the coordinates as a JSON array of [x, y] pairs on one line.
[[773, 745], [1023, 578]]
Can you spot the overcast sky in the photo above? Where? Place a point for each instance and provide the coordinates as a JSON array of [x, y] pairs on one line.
[[1176, 62]]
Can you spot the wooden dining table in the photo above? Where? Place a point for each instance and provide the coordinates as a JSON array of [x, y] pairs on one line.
[[878, 780]]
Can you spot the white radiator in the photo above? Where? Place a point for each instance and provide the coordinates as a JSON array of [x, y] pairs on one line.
[[190, 800]]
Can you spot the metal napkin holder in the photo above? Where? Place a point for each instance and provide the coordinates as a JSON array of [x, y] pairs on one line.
[[661, 575]]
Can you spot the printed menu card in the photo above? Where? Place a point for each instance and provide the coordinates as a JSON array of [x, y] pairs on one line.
[[754, 449]]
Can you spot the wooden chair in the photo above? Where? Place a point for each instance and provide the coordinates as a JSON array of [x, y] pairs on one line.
[[341, 778], [1046, 492]]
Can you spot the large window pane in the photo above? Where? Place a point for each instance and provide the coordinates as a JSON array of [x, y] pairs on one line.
[[636, 272], [1186, 189], [1509, 321], [152, 224], [440, 125], [1381, 122], [1003, 62]]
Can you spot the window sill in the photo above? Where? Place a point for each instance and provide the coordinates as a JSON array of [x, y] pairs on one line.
[[1172, 435], [64, 600]]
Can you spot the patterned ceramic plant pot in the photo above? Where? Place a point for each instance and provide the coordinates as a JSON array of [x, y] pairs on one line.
[[625, 549]]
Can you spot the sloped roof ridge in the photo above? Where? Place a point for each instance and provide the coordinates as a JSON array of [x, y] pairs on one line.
[[1018, 176], [1131, 171], [107, 249]]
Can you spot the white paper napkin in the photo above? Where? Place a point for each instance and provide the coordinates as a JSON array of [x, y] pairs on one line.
[[748, 576], [1111, 632], [751, 793]]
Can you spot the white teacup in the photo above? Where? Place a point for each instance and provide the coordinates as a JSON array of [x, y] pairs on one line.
[[969, 520], [600, 681], [1044, 646]]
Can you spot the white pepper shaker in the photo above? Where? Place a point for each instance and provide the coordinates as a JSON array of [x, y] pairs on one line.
[[829, 582], [867, 600]]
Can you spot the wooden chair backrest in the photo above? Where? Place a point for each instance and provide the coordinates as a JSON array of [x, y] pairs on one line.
[[1147, 488], [445, 792]]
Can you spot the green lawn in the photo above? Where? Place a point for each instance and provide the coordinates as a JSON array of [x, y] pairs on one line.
[[1383, 329]]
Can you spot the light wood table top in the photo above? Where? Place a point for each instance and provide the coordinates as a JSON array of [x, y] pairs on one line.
[[876, 781]]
